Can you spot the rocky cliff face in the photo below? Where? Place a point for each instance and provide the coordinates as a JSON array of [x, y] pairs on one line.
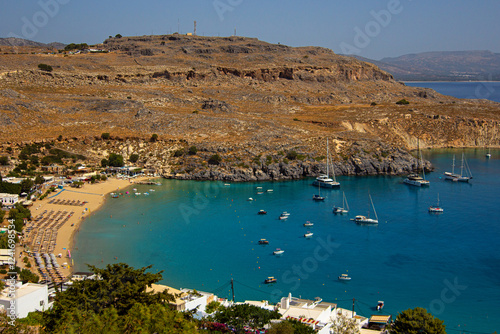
[[238, 97]]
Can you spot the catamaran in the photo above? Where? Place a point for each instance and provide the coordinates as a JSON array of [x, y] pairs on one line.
[[325, 181], [459, 177], [415, 179]]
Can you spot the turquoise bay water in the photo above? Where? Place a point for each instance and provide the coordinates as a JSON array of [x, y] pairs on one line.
[[202, 234], [489, 90]]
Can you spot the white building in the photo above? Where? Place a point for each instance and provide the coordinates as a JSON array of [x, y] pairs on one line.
[[8, 200], [186, 299], [315, 313], [27, 298]]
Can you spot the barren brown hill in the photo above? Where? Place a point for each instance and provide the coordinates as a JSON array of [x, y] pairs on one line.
[[237, 96]]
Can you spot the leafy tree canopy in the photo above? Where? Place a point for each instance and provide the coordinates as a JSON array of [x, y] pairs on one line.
[[417, 320], [115, 160], [115, 294], [242, 315]]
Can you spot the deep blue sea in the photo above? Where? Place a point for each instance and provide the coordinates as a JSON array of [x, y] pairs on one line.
[[489, 90], [202, 234]]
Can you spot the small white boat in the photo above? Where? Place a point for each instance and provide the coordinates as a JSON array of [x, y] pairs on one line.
[[342, 209], [281, 217], [226, 184], [308, 224], [258, 188], [415, 179], [284, 213], [250, 199], [270, 190], [366, 220], [344, 277], [308, 234], [436, 208], [380, 305], [278, 251]]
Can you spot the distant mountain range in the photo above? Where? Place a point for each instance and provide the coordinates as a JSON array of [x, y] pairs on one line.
[[14, 41], [443, 65]]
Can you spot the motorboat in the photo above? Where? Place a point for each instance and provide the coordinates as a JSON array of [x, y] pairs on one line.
[[308, 234], [284, 215], [278, 251], [250, 199], [262, 212], [344, 277], [263, 242], [270, 280], [308, 224], [365, 220], [380, 305]]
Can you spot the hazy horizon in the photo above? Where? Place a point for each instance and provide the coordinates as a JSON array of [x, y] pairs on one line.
[[373, 30]]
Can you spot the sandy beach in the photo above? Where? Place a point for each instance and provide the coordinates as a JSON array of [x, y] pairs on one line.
[[68, 202]]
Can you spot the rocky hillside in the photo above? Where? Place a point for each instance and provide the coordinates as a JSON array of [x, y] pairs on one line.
[[248, 101]]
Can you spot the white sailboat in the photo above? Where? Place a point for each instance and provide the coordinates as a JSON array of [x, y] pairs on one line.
[[344, 208], [367, 220], [459, 177], [325, 181], [318, 197], [436, 208], [488, 155]]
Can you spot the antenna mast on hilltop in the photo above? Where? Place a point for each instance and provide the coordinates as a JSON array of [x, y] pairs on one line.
[[194, 33]]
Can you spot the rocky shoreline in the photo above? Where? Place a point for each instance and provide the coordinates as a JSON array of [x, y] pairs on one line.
[[398, 162]]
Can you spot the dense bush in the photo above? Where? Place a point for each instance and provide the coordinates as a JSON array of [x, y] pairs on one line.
[[45, 67], [403, 101], [215, 159]]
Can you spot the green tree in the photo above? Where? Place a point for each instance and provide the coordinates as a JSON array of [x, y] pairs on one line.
[[118, 36], [290, 327], [105, 135], [104, 163], [133, 158], [154, 138], [118, 289], [26, 275], [242, 315], [403, 101], [39, 179], [212, 306], [4, 160], [215, 159], [192, 150], [45, 67], [115, 160], [291, 155], [417, 320], [26, 185]]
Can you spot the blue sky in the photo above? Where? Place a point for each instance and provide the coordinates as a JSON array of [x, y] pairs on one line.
[[373, 29]]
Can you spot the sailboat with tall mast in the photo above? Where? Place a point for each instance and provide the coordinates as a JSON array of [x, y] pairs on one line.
[[436, 208], [459, 177], [325, 181], [367, 220], [415, 179], [344, 208]]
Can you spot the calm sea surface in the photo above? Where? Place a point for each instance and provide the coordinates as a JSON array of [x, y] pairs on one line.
[[202, 234], [489, 90]]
